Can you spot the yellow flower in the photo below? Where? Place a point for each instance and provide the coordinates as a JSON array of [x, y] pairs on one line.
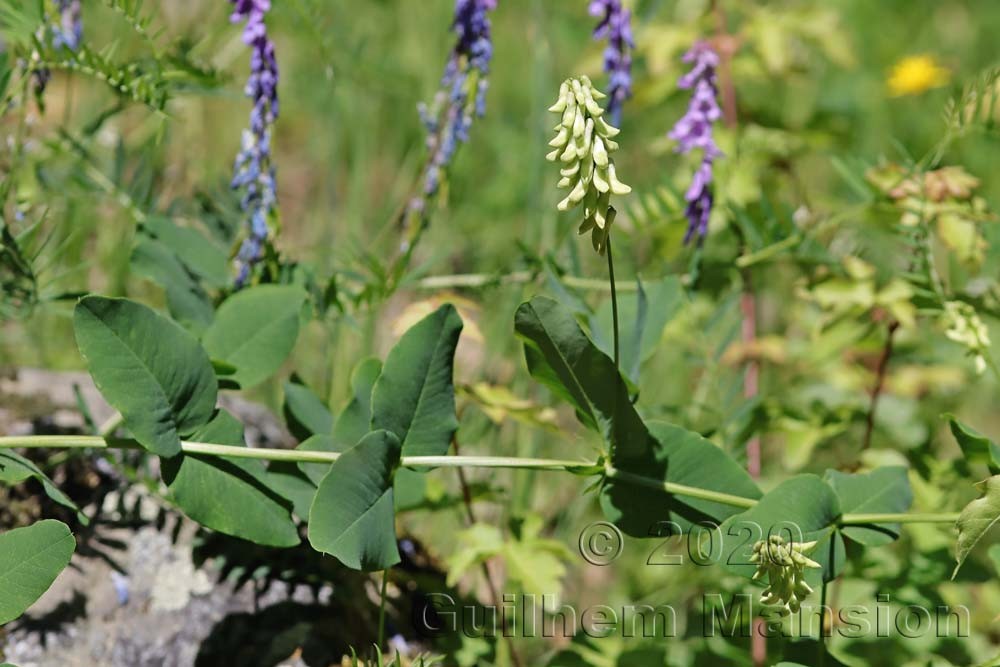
[[916, 74]]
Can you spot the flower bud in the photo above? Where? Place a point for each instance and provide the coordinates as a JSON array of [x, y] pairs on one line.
[[783, 564]]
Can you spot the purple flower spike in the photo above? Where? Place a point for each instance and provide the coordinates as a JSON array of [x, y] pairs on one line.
[[253, 172], [694, 131], [69, 32], [450, 115], [615, 26]]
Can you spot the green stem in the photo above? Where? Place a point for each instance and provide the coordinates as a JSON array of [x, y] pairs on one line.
[[297, 456], [292, 455], [679, 489], [381, 610], [108, 428], [481, 280], [857, 519], [614, 293], [764, 254]]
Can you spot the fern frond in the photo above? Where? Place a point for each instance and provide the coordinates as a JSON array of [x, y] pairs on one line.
[[139, 81], [18, 282], [131, 13], [114, 186], [976, 106], [19, 21], [655, 207]]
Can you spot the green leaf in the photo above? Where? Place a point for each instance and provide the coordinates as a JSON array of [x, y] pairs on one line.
[[318, 443], [255, 330], [350, 426], [199, 254], [187, 301], [150, 369], [305, 413], [976, 447], [352, 515], [409, 486], [803, 508], [30, 560], [476, 544], [643, 315], [229, 495], [535, 563], [976, 520], [994, 553], [681, 457], [285, 479], [561, 357], [410, 489], [414, 397], [19, 21], [14, 469], [355, 419], [881, 491]]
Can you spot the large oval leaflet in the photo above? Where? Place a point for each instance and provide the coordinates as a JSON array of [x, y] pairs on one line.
[[255, 331], [30, 560], [561, 356], [352, 515], [147, 367], [414, 397], [230, 495]]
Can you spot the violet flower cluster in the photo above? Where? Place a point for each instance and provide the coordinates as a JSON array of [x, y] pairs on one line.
[[253, 172], [694, 131], [616, 26], [462, 93], [69, 32]]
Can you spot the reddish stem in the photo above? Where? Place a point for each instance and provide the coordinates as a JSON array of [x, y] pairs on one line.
[[880, 373], [751, 375], [726, 47]]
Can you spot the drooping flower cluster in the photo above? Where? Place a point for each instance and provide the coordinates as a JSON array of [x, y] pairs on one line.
[[253, 172], [784, 564], [582, 144], [616, 26], [462, 93], [694, 131]]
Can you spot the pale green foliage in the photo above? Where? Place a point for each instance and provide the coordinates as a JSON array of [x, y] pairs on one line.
[[977, 519], [535, 563]]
